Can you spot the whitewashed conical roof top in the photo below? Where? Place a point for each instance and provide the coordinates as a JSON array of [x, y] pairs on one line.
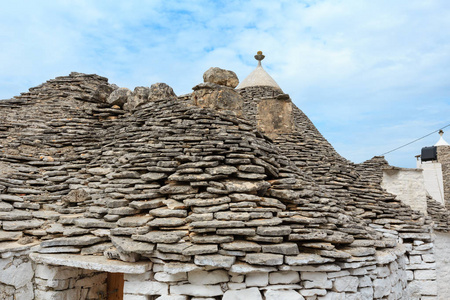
[[441, 141], [259, 76]]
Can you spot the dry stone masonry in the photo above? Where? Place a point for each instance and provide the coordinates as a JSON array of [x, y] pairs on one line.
[[220, 194]]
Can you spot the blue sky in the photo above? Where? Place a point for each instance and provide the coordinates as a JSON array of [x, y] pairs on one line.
[[372, 75]]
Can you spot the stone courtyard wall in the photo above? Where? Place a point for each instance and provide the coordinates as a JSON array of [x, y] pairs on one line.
[[383, 278], [404, 272]]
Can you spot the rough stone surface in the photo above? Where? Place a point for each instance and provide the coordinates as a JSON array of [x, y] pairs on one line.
[[204, 277], [236, 181], [221, 77], [197, 290], [119, 97], [244, 294], [277, 295]]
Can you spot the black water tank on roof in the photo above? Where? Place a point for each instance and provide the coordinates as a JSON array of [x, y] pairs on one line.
[[429, 153]]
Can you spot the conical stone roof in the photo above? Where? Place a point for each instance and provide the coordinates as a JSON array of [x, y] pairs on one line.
[[169, 181], [441, 141], [259, 77]]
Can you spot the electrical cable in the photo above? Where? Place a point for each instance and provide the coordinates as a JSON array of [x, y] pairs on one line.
[[415, 140]]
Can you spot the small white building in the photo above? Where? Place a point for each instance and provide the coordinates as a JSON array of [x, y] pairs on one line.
[[433, 170]]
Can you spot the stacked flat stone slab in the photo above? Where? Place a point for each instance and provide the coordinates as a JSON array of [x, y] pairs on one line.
[[443, 153], [220, 209], [170, 173], [439, 214], [357, 187]]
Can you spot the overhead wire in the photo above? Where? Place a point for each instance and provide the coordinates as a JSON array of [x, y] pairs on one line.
[[415, 140]]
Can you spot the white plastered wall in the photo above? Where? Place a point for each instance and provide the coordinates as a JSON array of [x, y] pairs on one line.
[[432, 175], [408, 185]]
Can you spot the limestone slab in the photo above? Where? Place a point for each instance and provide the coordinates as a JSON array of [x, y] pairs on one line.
[[265, 259], [244, 294], [278, 295], [21, 225], [83, 240], [305, 259], [207, 277], [160, 236], [97, 263], [215, 260], [146, 287], [197, 290]]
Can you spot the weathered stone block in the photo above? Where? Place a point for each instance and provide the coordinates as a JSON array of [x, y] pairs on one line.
[[346, 284], [257, 279], [165, 277], [218, 97], [236, 286], [170, 297], [381, 287], [25, 293], [57, 295], [245, 294], [286, 277], [242, 246], [415, 259], [280, 294], [135, 297], [197, 290], [243, 268], [426, 287], [313, 292], [265, 259], [175, 268], [145, 288], [275, 116], [334, 296], [221, 77], [15, 272], [220, 261], [52, 283], [316, 280], [283, 248], [119, 97], [306, 258], [425, 274], [382, 271], [55, 272], [204, 277]]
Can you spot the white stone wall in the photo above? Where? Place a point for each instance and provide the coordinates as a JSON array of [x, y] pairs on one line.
[[421, 266], [405, 272], [61, 283], [383, 278], [408, 185], [442, 245], [434, 184], [16, 274], [22, 279]]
